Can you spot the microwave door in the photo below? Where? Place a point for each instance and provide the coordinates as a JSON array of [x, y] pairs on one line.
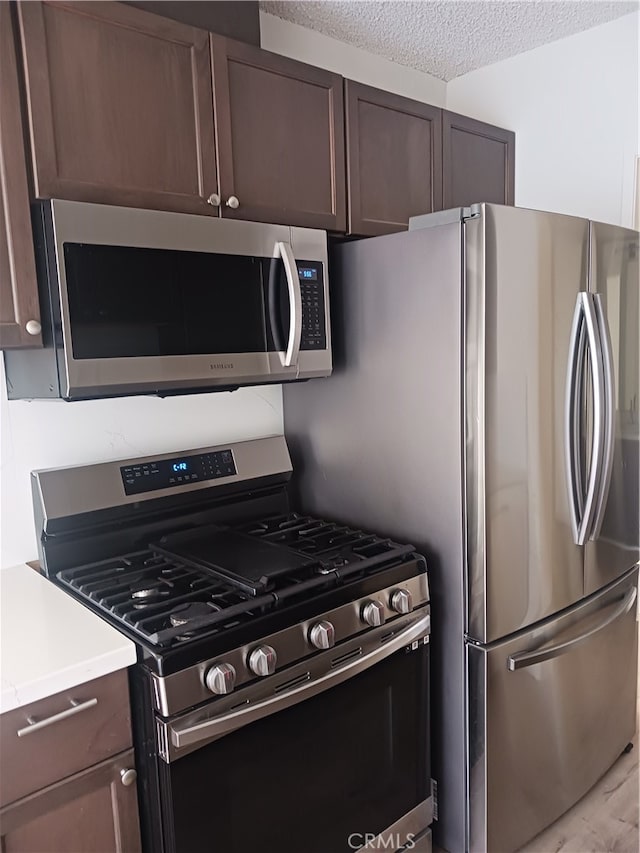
[[164, 320]]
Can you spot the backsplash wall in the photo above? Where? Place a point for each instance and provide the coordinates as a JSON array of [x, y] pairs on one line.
[[48, 434]]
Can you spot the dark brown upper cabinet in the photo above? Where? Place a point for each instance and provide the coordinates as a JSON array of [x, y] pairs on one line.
[[280, 133], [19, 309], [478, 162], [120, 106], [393, 159]]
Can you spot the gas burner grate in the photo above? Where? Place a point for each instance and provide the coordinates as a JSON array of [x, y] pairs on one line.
[[164, 602], [145, 592], [333, 544]]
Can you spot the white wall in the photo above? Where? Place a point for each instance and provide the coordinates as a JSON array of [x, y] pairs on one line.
[[317, 49], [47, 434], [573, 105]]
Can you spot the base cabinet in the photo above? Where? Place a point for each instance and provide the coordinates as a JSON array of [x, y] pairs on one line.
[[67, 773], [94, 811]]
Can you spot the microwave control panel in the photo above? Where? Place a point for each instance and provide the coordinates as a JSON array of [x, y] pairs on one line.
[[314, 334], [149, 476]]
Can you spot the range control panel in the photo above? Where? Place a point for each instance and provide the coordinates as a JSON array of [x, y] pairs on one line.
[[314, 335], [149, 476]]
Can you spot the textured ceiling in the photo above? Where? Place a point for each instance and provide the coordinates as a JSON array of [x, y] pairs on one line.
[[447, 39]]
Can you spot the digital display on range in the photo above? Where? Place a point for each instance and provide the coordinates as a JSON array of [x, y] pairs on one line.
[[167, 473]]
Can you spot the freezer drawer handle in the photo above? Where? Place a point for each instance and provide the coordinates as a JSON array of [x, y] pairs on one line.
[[523, 659]]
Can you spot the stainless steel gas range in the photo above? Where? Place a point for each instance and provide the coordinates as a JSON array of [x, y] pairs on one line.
[[281, 695]]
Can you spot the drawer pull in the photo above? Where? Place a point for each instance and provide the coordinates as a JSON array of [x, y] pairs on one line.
[[75, 708]]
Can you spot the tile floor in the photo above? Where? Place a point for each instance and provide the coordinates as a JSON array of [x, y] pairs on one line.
[[604, 821]]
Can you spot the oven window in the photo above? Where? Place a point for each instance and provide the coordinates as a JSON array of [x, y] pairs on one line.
[[347, 762], [126, 301]]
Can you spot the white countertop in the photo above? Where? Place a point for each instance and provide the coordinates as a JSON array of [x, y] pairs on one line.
[[50, 642]]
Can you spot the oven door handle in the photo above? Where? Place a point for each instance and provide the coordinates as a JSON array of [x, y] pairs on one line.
[[215, 727]]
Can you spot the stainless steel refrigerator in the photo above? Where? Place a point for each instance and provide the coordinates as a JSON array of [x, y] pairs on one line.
[[484, 406]]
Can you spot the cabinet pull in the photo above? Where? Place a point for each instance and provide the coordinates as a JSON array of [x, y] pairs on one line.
[[75, 708], [128, 777], [214, 200], [33, 327], [233, 202]]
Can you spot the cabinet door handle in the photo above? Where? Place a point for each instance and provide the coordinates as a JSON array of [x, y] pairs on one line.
[[33, 327], [128, 776], [75, 708], [233, 202], [214, 200]]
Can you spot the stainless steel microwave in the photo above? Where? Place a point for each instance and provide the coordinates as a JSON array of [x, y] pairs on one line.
[[150, 302]]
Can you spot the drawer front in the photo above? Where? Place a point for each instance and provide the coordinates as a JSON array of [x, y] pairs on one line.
[[63, 734], [551, 710]]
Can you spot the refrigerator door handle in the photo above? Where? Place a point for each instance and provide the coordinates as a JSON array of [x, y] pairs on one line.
[[597, 446], [575, 369], [524, 659], [608, 414]]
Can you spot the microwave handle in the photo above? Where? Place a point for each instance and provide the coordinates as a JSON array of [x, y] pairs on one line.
[[285, 251]]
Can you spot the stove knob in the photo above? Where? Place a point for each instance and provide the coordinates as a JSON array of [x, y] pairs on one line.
[[401, 601], [221, 678], [373, 614], [322, 635], [262, 661]]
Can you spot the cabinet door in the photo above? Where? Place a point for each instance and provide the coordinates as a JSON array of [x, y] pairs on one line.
[[19, 307], [120, 106], [93, 812], [478, 162], [280, 132], [393, 159]]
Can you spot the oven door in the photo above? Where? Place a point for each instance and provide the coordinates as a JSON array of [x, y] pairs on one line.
[[326, 774]]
